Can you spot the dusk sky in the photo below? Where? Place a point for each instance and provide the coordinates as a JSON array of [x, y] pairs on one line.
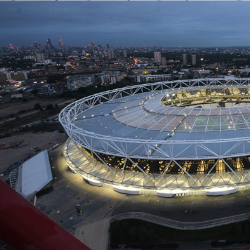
[[126, 23]]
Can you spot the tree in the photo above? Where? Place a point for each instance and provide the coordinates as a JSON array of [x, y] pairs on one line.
[[37, 106], [34, 91], [50, 107]]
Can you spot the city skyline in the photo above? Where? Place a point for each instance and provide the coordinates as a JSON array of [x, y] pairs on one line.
[[166, 24]]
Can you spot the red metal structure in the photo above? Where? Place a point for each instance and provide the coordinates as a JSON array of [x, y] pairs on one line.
[[24, 227]]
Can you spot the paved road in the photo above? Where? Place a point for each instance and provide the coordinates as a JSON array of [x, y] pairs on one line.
[[99, 203], [68, 190], [88, 233], [72, 188]]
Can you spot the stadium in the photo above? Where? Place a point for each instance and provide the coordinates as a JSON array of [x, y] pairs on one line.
[[174, 138]]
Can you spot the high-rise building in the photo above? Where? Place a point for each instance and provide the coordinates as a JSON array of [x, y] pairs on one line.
[[93, 46], [49, 44], [107, 46], [184, 59], [39, 57], [111, 54], [35, 45], [61, 42], [193, 59], [163, 61], [125, 53], [157, 57]]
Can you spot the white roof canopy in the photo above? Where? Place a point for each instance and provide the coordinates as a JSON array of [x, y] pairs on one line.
[[34, 174]]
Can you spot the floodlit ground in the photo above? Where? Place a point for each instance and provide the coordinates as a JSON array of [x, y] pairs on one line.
[[30, 143], [99, 204]]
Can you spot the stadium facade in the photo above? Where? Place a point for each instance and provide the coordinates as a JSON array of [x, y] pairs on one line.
[[185, 137]]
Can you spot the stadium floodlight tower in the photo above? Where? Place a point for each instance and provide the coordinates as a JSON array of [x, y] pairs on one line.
[[166, 138]]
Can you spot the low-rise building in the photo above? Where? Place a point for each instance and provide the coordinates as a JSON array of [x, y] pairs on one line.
[[153, 78], [79, 81]]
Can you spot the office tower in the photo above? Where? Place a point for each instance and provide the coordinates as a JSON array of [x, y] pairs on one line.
[[184, 59], [193, 59], [93, 45], [125, 53], [157, 57], [39, 57], [163, 61], [61, 42], [111, 54], [49, 44], [34, 45], [107, 46]]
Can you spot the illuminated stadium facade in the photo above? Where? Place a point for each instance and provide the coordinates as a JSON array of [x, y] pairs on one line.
[[166, 138]]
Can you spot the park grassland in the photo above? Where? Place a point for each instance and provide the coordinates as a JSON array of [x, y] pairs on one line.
[[138, 232]]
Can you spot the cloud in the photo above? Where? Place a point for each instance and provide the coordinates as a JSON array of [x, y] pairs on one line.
[[126, 23]]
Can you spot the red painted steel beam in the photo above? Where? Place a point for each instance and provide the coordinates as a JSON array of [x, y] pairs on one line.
[[24, 227]]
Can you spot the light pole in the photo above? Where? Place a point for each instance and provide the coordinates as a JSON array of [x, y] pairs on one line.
[[134, 203], [248, 197], [59, 215], [109, 202], [83, 237], [194, 206], [164, 205], [86, 194]]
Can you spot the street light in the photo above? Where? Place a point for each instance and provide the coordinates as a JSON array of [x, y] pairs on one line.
[[109, 201], [163, 205], [134, 203], [59, 215], [194, 205], [83, 237], [86, 194]]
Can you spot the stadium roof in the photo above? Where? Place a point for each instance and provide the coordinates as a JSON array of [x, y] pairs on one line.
[[138, 125]]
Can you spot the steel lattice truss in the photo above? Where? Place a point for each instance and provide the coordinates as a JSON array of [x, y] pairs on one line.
[[82, 163], [131, 122]]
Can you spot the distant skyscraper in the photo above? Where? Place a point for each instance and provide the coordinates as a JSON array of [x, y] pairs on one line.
[[157, 57], [107, 46], [61, 42], [163, 61], [111, 54], [39, 57], [35, 45], [125, 53], [184, 59], [93, 46], [49, 44], [11, 46], [193, 59]]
